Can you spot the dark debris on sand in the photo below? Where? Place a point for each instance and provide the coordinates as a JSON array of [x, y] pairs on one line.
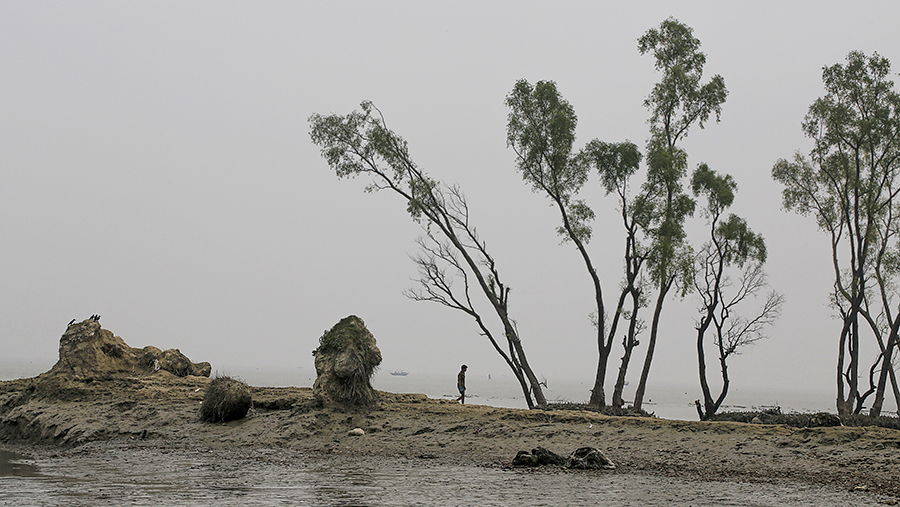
[[816, 420], [605, 410]]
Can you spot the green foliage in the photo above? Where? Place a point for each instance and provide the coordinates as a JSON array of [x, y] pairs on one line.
[[719, 190], [860, 109], [615, 162], [579, 215], [661, 209], [349, 332], [739, 243], [679, 100], [360, 143], [734, 240], [541, 130], [856, 129], [676, 103], [674, 47], [805, 191], [849, 182]]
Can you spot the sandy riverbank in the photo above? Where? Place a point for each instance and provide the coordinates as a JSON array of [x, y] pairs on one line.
[[53, 412]]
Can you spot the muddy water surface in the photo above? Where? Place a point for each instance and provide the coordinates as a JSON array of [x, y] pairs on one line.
[[270, 477]]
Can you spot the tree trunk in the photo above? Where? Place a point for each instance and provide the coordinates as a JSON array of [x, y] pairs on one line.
[[853, 376], [886, 368], [629, 343], [598, 394], [651, 346], [536, 390], [617, 399], [842, 405], [896, 390], [712, 406], [701, 367], [523, 383]]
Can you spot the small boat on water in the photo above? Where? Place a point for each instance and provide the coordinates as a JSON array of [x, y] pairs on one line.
[[400, 373]]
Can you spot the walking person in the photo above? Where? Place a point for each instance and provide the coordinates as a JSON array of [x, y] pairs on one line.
[[461, 384]]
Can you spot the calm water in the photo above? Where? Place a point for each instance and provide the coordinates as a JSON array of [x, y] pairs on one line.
[[270, 477]]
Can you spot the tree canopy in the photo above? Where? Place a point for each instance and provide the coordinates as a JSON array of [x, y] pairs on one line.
[[849, 184]]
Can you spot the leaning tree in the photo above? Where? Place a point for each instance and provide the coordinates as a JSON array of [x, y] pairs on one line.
[[360, 143]]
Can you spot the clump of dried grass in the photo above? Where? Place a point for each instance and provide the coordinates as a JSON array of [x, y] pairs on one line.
[[226, 399]]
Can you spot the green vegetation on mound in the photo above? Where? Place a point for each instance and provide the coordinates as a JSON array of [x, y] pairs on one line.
[[346, 359], [350, 331]]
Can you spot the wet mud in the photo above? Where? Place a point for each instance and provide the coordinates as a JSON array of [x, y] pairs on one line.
[[150, 427]]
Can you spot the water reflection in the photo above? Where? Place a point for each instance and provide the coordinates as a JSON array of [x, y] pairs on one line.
[[16, 465], [349, 485], [268, 477]]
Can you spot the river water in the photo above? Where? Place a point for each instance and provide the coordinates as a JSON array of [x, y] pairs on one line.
[[274, 477]]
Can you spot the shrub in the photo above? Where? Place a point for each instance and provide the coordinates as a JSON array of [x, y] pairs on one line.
[[226, 399]]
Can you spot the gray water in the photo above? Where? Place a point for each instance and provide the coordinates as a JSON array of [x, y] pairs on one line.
[[272, 477]]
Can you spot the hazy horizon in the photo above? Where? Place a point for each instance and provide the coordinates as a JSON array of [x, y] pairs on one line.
[[159, 172]]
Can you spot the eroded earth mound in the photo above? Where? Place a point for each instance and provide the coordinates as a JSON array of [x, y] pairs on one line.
[[87, 350], [346, 359]]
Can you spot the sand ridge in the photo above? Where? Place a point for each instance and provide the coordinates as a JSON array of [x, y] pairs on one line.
[[53, 412]]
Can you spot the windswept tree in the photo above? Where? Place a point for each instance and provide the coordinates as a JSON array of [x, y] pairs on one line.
[[677, 103], [361, 144], [541, 130], [849, 184], [732, 246]]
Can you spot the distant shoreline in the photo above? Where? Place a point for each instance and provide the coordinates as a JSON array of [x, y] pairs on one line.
[[45, 415], [667, 401]]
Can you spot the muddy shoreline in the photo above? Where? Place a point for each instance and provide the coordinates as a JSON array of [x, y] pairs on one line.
[[48, 415]]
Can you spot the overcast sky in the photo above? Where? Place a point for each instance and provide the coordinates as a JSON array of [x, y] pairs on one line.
[[157, 170]]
